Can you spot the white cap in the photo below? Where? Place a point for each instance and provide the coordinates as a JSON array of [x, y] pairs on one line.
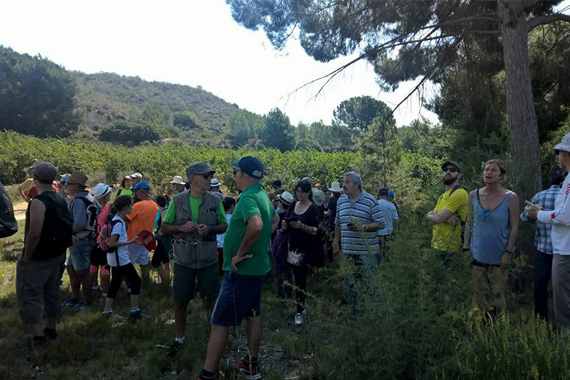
[[178, 180], [136, 175], [101, 190], [564, 144], [214, 182]]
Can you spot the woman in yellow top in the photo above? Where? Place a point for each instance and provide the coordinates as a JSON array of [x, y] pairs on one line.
[[24, 187]]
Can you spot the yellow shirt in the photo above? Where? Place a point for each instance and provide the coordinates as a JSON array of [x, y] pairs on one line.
[[446, 237]]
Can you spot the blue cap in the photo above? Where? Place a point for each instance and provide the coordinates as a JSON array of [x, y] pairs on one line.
[[64, 179], [391, 193], [142, 185], [250, 166]]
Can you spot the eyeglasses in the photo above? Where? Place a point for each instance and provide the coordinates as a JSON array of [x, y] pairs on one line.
[[450, 169]]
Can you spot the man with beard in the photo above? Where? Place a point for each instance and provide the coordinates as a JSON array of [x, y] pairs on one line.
[[449, 215]]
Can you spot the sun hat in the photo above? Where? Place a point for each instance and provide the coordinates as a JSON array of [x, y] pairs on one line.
[[335, 187], [286, 197], [177, 180], [318, 197], [250, 166], [101, 190], [77, 177], [142, 185], [198, 168], [564, 144], [214, 182]]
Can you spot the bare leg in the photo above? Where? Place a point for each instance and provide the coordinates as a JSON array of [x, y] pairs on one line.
[[216, 346], [105, 282], [134, 301], [209, 304], [75, 283], [180, 315], [85, 280], [254, 327], [145, 274]]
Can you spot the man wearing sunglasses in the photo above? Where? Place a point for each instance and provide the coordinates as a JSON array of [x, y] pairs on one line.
[[450, 212], [193, 219]]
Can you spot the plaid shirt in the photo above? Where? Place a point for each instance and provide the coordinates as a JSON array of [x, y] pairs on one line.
[[546, 199]]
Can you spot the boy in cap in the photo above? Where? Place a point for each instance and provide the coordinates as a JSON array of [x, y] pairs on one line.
[[38, 269], [141, 219]]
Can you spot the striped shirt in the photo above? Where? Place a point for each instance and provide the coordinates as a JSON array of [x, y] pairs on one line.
[[363, 210], [542, 237]]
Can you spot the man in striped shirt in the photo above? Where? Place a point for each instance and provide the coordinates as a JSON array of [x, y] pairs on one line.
[[543, 241], [358, 219]]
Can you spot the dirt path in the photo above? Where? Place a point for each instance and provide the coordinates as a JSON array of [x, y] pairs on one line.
[[20, 210]]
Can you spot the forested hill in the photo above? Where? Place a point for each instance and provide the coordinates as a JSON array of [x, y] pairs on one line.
[[106, 97]]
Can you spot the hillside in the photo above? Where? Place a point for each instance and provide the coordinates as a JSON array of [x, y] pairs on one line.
[[106, 97]]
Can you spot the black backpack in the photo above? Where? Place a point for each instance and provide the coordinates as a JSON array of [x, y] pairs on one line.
[[59, 229], [8, 222]]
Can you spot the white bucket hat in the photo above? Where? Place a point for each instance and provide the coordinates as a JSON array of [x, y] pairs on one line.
[[178, 180], [101, 190], [286, 197], [335, 187], [564, 144], [318, 197], [214, 182]]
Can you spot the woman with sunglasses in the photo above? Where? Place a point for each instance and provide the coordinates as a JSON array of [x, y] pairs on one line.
[[490, 236]]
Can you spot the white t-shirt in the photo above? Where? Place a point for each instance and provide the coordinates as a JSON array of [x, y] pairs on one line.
[[390, 214], [220, 237], [119, 229]]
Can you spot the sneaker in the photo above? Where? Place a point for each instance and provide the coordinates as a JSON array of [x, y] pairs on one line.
[[107, 313], [50, 334], [72, 302], [173, 350], [299, 319], [137, 315], [249, 372], [95, 288]]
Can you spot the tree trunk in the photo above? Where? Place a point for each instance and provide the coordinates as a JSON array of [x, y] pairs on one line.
[[525, 149]]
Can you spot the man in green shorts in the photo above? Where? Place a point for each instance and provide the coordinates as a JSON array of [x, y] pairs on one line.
[[246, 261], [193, 219]]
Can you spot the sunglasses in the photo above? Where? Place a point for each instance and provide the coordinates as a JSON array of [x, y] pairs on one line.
[[207, 176], [556, 151], [450, 169], [235, 171]]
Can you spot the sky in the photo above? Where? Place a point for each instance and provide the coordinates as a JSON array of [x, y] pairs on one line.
[[191, 42]]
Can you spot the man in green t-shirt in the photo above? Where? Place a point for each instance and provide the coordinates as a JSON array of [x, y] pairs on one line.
[[193, 219], [449, 215], [246, 261]]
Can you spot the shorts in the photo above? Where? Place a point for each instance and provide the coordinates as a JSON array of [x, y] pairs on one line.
[[239, 297], [160, 255], [138, 254], [37, 284], [184, 283], [79, 260], [98, 256]]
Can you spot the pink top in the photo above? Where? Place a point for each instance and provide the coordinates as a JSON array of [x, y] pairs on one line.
[[102, 219]]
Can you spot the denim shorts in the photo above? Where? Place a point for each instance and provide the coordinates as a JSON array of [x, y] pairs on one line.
[[79, 260], [239, 297]]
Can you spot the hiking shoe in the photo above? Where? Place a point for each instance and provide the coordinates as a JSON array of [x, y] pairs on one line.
[[107, 313], [95, 288], [137, 315], [50, 334], [299, 319], [72, 302], [173, 350], [249, 372]]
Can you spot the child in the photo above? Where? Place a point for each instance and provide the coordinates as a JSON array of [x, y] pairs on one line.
[[119, 261], [229, 206], [102, 194], [160, 259]]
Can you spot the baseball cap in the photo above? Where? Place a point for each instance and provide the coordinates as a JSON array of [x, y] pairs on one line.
[[199, 168], [45, 172], [383, 192], [391, 193], [136, 175], [250, 166], [142, 185], [447, 163], [564, 144]]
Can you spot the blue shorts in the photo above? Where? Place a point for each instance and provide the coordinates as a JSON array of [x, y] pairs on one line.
[[79, 260], [240, 296], [138, 254]]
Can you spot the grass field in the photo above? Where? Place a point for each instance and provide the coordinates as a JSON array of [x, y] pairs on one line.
[[419, 323]]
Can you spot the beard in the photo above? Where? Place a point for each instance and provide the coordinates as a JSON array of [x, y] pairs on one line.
[[448, 181]]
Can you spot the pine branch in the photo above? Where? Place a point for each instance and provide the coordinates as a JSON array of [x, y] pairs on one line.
[[547, 19]]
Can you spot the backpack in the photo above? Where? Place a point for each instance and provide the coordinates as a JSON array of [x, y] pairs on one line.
[[92, 209], [59, 230], [8, 222], [106, 233]]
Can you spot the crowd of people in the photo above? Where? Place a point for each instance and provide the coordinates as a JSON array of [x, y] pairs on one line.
[[222, 248]]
